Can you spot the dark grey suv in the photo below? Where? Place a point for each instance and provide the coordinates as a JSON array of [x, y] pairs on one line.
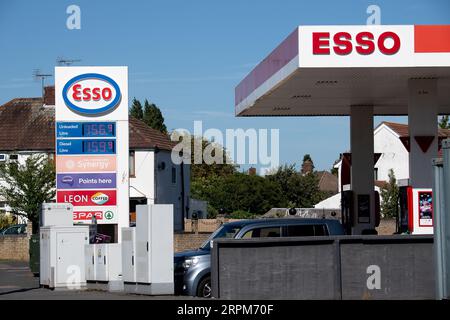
[[192, 268]]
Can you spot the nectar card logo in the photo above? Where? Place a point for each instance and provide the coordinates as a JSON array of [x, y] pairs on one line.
[[91, 94], [86, 181], [85, 164], [88, 197]]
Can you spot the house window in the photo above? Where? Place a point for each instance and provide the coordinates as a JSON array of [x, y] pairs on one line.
[[13, 157], [174, 175], [375, 173], [132, 162]]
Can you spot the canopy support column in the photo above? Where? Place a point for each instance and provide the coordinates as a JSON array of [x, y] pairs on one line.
[[362, 168], [423, 131]]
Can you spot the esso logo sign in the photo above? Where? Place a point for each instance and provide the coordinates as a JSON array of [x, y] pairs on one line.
[[364, 43], [91, 94]]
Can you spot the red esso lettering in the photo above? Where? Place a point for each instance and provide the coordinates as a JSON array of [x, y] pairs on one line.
[[382, 39], [365, 43], [88, 94]]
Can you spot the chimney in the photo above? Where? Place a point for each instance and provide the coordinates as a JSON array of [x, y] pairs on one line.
[[252, 171], [307, 167], [49, 96]]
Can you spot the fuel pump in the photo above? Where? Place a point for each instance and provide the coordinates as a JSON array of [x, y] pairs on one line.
[[348, 217], [416, 210]]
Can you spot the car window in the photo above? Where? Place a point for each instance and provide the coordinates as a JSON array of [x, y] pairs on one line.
[[320, 230], [306, 230], [300, 231], [271, 232], [225, 231]]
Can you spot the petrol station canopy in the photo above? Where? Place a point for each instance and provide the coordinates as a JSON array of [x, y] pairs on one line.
[[324, 70]]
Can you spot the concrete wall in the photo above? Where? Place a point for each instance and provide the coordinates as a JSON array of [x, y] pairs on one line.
[[324, 268], [189, 241], [14, 247], [386, 227]]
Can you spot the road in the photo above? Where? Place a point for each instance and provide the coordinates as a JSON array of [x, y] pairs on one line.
[[18, 283]]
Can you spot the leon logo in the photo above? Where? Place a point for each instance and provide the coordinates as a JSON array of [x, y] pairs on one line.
[[91, 94], [99, 198]]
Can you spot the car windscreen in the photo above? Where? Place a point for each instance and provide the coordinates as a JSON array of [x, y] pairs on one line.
[[225, 231]]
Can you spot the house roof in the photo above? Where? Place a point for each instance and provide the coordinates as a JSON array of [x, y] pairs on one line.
[[402, 129], [29, 125], [327, 181]]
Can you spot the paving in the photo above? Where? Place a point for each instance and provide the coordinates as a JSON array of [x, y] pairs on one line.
[[18, 283]]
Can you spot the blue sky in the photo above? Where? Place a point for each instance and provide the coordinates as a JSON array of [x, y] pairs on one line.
[[187, 56]]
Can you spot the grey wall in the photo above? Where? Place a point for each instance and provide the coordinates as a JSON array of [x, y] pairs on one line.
[[323, 268]]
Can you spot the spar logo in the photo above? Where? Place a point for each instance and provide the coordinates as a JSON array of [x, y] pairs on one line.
[[99, 198], [91, 94]]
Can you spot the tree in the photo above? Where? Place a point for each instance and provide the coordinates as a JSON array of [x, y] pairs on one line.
[[199, 146], [303, 191], [27, 186], [136, 109], [282, 175], [153, 117], [239, 192], [389, 196], [444, 122], [307, 165], [299, 190]]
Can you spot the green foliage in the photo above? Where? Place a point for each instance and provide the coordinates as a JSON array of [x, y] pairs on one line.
[[241, 214], [207, 170], [444, 122], [28, 185], [389, 196], [136, 109], [212, 212], [5, 221], [244, 196], [301, 191], [153, 117], [149, 113]]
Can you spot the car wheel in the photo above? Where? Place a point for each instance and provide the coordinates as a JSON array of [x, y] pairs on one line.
[[204, 288]]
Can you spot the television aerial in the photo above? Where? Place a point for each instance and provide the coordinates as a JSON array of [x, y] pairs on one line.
[[39, 75], [61, 61]]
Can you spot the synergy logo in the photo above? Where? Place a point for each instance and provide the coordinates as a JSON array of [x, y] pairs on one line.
[[91, 94], [99, 198]]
